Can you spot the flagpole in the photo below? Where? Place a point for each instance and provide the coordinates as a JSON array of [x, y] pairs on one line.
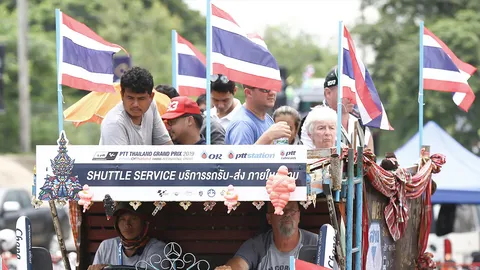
[[59, 74], [53, 208], [420, 88], [174, 60], [339, 86], [208, 70]]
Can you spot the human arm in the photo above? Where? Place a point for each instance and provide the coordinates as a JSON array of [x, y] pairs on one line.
[[113, 134], [276, 131], [217, 131], [160, 133], [99, 260], [235, 263], [249, 254]]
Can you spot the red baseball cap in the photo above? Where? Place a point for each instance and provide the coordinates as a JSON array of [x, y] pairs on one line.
[[179, 106]]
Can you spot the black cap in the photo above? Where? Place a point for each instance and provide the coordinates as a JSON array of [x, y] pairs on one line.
[[331, 78], [123, 207]]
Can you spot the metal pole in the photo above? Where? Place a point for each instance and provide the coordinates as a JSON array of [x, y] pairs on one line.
[[350, 195], [23, 75]]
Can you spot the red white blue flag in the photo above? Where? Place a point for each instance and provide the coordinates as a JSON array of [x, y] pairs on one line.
[[443, 71], [85, 58], [242, 57], [191, 70], [358, 85]]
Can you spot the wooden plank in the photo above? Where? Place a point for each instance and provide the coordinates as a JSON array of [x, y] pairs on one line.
[[319, 153], [188, 221], [183, 235]]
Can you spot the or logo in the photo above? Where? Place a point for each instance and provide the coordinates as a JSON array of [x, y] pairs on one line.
[[231, 155], [282, 153], [162, 193], [200, 193], [111, 155], [222, 193], [211, 193], [176, 193], [211, 156]]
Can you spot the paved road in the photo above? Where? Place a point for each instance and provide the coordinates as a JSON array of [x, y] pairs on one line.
[[14, 172]]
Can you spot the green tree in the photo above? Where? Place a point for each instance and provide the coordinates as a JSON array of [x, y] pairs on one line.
[[143, 28], [295, 52], [395, 39]]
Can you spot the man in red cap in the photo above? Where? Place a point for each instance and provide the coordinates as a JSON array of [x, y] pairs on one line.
[[133, 245], [184, 121]]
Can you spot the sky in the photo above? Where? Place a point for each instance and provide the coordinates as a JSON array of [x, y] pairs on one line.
[[316, 17]]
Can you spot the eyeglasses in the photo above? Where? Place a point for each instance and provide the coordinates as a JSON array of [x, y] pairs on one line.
[[216, 77], [264, 91]]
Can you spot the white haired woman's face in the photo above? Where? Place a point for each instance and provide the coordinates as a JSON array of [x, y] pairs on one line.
[[323, 133]]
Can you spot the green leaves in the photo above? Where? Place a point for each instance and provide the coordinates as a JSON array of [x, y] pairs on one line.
[[395, 39], [143, 28]]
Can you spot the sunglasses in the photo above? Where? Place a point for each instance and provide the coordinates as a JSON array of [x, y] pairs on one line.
[[215, 77]]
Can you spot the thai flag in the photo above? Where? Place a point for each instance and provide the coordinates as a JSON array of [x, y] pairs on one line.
[[190, 68], [85, 60], [242, 57], [358, 85], [443, 71]]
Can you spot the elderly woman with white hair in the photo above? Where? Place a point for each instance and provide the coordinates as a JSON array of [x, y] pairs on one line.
[[321, 126]]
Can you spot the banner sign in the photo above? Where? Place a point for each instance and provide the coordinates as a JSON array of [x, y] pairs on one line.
[[166, 173]]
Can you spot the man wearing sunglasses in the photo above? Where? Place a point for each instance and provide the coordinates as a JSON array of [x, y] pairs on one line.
[[184, 120], [251, 124], [223, 98]]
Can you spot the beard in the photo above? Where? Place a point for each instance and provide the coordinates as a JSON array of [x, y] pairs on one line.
[[287, 227]]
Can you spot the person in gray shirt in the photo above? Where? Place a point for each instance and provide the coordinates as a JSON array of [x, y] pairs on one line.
[[272, 250], [133, 247], [135, 121]]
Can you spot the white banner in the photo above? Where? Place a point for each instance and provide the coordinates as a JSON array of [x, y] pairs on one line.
[[166, 173]]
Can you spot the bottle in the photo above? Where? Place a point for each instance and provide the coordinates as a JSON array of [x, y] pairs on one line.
[[281, 141]]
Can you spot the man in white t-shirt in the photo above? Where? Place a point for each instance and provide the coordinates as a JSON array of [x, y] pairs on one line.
[[135, 121], [348, 120], [223, 99]]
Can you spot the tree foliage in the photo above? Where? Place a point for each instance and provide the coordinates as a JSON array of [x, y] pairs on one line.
[[143, 28], [295, 52], [395, 39]]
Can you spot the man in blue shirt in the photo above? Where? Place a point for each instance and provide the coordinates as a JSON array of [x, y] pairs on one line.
[[252, 124]]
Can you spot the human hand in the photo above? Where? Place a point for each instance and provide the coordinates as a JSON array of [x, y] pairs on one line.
[[97, 266], [223, 267], [279, 130]]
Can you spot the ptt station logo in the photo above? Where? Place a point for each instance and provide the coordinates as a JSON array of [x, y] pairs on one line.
[[232, 155]]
